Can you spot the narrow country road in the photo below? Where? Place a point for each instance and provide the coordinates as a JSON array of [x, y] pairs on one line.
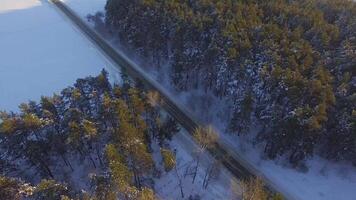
[[230, 159]]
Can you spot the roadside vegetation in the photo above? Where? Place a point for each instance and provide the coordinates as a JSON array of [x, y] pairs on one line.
[[94, 141]]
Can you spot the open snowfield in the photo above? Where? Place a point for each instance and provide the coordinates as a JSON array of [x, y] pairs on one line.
[[324, 180], [85, 7], [41, 52]]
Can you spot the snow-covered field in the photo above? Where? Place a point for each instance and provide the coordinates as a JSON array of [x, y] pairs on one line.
[[41, 52], [85, 7]]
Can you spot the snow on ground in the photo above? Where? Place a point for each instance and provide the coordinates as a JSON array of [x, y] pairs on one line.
[[167, 187], [324, 180], [9, 5], [41, 52], [85, 7]]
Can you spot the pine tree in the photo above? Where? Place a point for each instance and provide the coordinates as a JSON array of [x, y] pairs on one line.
[[10, 188], [169, 160], [131, 138], [121, 174], [49, 189], [206, 138], [253, 189], [103, 188], [168, 129], [220, 46], [146, 194], [81, 121]]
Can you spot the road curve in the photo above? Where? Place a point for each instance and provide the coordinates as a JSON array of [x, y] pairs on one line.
[[230, 159]]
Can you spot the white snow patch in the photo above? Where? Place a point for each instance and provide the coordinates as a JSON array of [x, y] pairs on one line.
[[85, 7], [167, 186], [324, 179], [10, 5]]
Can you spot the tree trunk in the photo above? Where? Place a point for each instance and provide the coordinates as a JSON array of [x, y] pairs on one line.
[[67, 162], [196, 168], [98, 155], [179, 182], [92, 160], [137, 179], [207, 174], [49, 172]]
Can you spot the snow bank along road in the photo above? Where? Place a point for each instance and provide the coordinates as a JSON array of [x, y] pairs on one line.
[[232, 161]]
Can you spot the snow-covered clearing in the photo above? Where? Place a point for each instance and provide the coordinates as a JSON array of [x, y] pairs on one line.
[[324, 180], [167, 187], [41, 52], [85, 7]]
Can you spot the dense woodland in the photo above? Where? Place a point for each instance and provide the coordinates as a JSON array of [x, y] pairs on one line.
[[107, 134], [94, 125], [286, 65]]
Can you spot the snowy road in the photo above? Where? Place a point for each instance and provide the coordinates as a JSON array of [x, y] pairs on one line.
[[238, 169], [324, 180]]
